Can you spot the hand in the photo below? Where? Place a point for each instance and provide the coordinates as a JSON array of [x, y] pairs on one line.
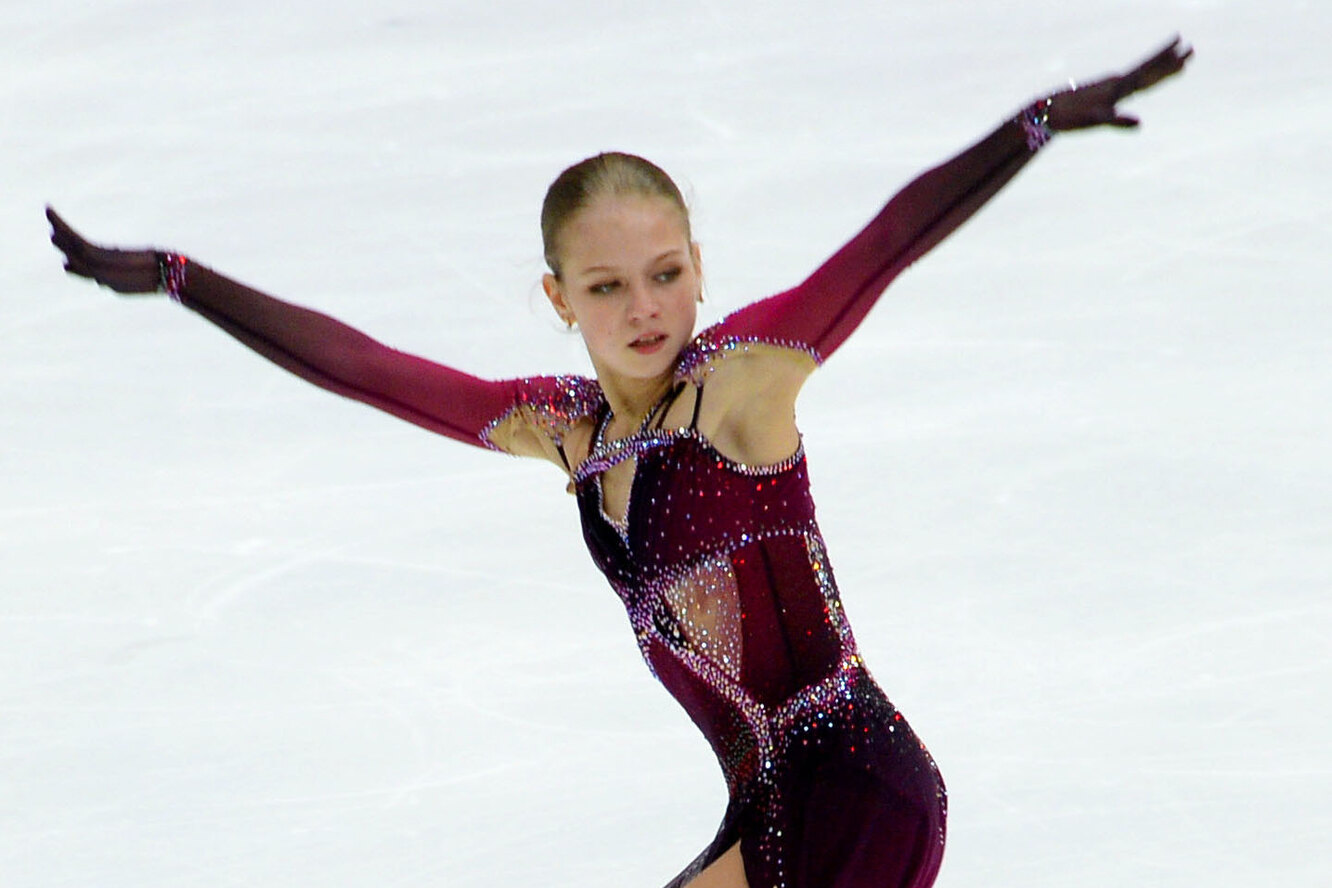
[[1093, 104], [125, 271]]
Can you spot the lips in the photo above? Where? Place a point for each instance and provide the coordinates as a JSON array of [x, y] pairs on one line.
[[648, 343]]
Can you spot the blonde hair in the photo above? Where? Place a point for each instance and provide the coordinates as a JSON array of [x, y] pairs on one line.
[[610, 173]]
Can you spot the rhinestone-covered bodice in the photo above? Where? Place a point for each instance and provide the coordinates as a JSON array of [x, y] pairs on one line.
[[724, 576]]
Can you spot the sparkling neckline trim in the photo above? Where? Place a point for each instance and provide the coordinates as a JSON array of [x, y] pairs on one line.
[[620, 525], [560, 402], [614, 452]]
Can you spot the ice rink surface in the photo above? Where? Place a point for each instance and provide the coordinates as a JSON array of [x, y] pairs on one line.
[[1073, 470]]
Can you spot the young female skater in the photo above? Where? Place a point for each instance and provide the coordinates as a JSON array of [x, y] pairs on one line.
[[690, 478]]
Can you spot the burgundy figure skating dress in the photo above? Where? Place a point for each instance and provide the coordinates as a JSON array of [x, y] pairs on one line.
[[733, 602]]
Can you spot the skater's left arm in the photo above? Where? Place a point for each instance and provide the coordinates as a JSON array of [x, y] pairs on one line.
[[784, 338], [820, 313]]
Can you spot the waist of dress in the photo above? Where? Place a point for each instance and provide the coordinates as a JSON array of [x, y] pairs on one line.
[[846, 699], [819, 702], [763, 732]]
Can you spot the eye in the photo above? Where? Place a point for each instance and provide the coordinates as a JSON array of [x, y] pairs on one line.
[[605, 288], [668, 275]]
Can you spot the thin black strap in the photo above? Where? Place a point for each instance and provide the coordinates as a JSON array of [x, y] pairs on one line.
[[564, 457], [698, 402], [664, 406]]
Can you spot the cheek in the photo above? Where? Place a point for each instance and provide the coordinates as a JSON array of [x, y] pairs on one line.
[[688, 301], [691, 316], [597, 328]]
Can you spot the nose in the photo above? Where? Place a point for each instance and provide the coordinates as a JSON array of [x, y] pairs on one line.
[[642, 302]]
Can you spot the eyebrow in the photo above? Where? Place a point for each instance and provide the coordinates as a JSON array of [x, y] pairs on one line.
[[604, 268]]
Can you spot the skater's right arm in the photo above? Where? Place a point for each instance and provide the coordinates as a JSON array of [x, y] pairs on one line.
[[519, 416]]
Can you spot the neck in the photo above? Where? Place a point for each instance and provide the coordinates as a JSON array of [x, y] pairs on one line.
[[631, 399]]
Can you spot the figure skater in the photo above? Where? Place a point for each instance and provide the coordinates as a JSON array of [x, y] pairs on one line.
[[690, 477]]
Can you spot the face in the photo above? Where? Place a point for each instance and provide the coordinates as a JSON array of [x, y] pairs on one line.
[[631, 280]]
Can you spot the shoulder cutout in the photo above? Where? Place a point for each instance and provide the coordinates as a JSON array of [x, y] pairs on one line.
[[549, 405], [719, 342]]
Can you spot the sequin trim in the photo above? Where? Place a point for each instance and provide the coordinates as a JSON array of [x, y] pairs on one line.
[[818, 561], [727, 545], [171, 270], [1035, 123], [706, 600], [699, 358], [610, 453], [644, 601], [619, 525], [555, 403]]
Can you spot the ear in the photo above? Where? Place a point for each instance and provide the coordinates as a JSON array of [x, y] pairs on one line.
[[555, 293], [696, 254]]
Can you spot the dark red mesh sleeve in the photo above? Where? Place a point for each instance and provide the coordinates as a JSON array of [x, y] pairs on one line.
[[338, 358], [820, 313]]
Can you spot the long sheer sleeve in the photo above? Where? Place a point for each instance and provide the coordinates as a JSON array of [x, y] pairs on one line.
[[341, 359], [820, 313]]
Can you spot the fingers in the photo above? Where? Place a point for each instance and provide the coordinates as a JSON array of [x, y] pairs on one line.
[[59, 228], [76, 262], [1169, 61], [77, 268], [64, 237], [1167, 53], [125, 271], [1170, 48], [78, 249], [76, 265]]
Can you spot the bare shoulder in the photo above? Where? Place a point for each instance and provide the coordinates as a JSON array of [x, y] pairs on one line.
[[748, 412], [518, 436], [551, 419]]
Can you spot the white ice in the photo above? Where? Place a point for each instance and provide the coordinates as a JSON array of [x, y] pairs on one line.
[[1073, 471]]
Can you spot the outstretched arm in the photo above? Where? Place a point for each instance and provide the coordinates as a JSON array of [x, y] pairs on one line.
[[314, 346], [820, 313], [786, 336]]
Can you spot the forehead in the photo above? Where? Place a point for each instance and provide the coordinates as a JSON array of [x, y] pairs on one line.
[[624, 226]]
